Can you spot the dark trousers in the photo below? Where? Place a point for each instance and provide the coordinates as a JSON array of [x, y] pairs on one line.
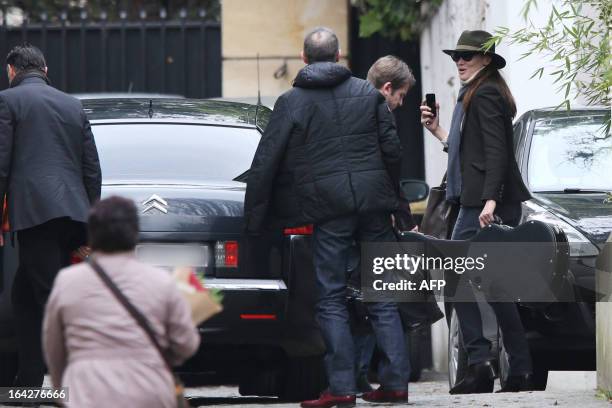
[[332, 241], [43, 251], [470, 321]]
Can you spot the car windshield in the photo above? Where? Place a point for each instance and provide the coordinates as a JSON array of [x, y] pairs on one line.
[[572, 153], [173, 153]]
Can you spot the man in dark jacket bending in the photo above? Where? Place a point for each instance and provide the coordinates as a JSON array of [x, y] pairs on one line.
[[324, 159]]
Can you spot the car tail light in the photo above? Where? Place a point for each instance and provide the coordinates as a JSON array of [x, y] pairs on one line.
[[226, 254], [303, 230], [258, 316]]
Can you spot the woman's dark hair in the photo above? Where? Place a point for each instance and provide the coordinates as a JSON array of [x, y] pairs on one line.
[[113, 225], [26, 57], [489, 73]]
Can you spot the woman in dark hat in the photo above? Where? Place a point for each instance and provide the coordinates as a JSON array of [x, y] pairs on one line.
[[484, 179]]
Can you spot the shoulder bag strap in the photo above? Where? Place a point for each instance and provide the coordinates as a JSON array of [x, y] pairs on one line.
[[132, 310]]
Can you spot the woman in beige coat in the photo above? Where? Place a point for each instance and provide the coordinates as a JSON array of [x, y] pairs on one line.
[[92, 345]]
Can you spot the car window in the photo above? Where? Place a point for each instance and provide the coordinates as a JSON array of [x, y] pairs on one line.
[[570, 153], [169, 153], [263, 117]]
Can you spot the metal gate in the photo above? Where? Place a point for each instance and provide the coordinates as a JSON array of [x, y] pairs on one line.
[[179, 57]]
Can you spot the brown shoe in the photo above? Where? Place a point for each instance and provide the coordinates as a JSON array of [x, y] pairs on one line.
[[327, 400], [381, 395]]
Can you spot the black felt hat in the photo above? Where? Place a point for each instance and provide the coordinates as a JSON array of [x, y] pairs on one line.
[[474, 41]]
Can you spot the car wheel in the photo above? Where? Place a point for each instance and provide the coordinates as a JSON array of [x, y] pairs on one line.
[[540, 367], [302, 378], [414, 347], [8, 368], [260, 382], [457, 356]]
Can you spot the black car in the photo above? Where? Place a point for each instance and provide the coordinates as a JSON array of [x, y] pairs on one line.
[[185, 162], [181, 161], [565, 158]]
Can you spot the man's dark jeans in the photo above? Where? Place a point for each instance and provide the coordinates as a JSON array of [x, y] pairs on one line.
[[331, 243], [470, 321]]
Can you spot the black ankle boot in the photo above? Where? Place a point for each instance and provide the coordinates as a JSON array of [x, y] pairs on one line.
[[516, 383], [477, 380]]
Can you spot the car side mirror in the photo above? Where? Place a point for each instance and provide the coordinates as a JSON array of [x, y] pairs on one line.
[[413, 190]]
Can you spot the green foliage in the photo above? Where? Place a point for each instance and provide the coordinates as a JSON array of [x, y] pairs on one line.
[[392, 18], [605, 394], [573, 45]]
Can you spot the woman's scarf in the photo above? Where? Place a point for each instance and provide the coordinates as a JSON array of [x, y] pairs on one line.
[[453, 171]]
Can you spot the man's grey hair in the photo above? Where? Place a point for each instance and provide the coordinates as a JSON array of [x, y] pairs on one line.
[[390, 69], [321, 45]]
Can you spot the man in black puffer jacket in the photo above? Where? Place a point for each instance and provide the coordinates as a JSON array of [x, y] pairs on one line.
[[325, 159]]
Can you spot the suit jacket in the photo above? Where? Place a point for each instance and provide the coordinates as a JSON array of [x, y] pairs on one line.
[[49, 165], [488, 165]]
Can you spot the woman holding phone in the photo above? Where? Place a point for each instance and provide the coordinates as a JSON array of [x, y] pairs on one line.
[[484, 179]]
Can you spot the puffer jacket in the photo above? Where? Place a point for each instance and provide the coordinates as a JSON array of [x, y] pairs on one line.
[[328, 150]]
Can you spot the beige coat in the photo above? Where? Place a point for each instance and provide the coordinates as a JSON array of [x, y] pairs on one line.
[[96, 349]]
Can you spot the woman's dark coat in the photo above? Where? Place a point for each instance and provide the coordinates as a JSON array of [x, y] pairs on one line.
[[488, 166]]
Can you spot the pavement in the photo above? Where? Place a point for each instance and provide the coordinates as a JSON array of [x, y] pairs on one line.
[[432, 391], [571, 390]]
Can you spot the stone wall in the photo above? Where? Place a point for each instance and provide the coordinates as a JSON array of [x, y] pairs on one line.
[[275, 29]]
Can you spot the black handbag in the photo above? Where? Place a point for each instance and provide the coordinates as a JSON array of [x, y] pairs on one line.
[[179, 388], [440, 215]]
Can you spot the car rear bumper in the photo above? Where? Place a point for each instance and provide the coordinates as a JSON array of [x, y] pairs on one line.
[[255, 312], [252, 327]]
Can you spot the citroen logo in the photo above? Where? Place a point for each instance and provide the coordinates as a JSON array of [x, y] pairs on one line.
[[157, 202]]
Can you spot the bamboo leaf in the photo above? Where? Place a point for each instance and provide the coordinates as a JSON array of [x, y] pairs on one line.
[[538, 72], [565, 102], [527, 7], [570, 32]]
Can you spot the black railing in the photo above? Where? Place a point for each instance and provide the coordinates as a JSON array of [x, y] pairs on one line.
[[180, 56]]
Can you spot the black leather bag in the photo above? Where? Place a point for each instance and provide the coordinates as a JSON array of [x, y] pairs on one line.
[[440, 215]]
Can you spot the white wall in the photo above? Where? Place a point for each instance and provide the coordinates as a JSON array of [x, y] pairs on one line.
[[439, 76]]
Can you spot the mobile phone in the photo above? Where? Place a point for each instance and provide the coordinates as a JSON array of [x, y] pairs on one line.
[[430, 100]]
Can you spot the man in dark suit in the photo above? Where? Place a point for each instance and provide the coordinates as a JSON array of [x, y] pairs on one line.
[[50, 175]]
